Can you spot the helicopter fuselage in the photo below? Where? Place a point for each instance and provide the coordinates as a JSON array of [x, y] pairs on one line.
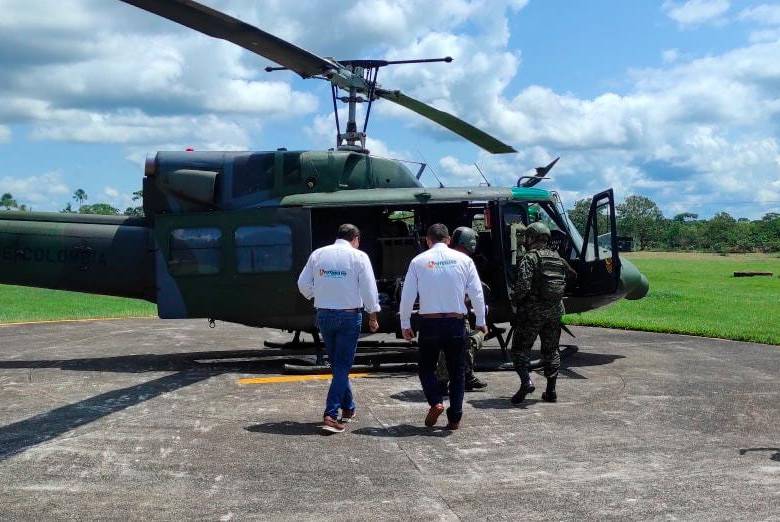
[[227, 233]]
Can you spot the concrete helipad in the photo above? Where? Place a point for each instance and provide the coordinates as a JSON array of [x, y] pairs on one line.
[[147, 419]]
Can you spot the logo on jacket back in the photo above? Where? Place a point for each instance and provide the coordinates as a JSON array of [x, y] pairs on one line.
[[446, 263], [333, 274]]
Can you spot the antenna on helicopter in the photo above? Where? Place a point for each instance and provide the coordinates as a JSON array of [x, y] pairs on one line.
[[441, 185], [482, 174], [541, 172], [426, 164]]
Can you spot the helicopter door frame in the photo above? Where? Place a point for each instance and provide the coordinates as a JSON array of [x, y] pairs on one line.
[[599, 268]]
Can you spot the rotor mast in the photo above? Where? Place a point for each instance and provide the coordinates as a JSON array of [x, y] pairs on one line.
[[357, 77]]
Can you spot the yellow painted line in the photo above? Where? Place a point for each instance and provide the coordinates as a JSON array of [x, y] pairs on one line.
[[293, 378], [89, 320]]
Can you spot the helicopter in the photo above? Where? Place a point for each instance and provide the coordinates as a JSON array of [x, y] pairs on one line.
[[226, 233]]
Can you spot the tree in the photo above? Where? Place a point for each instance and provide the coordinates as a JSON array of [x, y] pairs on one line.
[[685, 217], [640, 218], [7, 201], [579, 214], [136, 211], [99, 208], [80, 196], [717, 232]]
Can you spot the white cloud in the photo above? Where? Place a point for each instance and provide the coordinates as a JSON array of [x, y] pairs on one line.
[[104, 72], [764, 14], [670, 55], [695, 12], [111, 192], [48, 190]]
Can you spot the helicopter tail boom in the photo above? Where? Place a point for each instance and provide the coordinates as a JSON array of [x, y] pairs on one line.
[[107, 255]]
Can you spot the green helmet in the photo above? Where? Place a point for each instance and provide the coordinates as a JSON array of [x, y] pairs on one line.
[[538, 231], [465, 237]]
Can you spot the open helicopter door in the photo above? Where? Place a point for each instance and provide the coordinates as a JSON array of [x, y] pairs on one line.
[[239, 266], [598, 266]]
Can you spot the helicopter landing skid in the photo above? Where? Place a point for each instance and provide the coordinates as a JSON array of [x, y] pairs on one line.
[[385, 361]]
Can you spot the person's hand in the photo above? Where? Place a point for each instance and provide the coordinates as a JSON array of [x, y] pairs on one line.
[[373, 324], [482, 329], [408, 334]]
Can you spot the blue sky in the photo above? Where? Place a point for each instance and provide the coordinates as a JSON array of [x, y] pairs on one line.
[[675, 100]]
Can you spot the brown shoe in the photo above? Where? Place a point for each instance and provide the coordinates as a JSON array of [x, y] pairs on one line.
[[331, 425], [452, 426], [433, 414]]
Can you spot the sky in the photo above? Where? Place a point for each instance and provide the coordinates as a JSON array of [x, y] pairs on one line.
[[675, 100]]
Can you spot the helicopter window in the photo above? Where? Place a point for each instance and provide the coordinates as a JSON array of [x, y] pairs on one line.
[[263, 249], [252, 173], [291, 169], [600, 234], [195, 251]]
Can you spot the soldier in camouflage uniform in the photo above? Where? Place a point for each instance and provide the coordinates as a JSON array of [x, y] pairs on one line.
[[538, 289], [464, 240]]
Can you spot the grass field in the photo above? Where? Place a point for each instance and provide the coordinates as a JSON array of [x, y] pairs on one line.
[[697, 294], [21, 304], [689, 293]]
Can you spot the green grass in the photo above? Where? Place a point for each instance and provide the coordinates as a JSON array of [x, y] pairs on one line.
[[689, 293], [697, 294], [21, 304]]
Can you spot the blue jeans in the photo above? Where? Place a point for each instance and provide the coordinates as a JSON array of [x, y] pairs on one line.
[[340, 331], [449, 335]]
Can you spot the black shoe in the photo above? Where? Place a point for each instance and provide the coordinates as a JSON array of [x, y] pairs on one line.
[[550, 396], [475, 384], [524, 390]]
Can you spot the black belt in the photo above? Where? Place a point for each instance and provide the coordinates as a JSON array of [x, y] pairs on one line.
[[442, 316]]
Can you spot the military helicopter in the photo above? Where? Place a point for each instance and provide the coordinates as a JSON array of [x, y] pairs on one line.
[[225, 234]]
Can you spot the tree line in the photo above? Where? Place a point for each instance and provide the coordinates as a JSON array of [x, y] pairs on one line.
[[8, 202], [639, 218]]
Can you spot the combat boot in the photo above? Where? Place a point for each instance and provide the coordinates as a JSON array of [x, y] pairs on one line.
[[549, 394], [473, 383], [526, 386]]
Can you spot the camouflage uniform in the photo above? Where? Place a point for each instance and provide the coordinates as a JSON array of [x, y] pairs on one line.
[[474, 340], [535, 317]]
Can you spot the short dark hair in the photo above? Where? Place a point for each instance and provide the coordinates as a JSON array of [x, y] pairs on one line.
[[347, 232], [438, 233]]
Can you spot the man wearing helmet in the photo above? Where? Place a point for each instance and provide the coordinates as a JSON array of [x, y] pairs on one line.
[[464, 240], [540, 282]]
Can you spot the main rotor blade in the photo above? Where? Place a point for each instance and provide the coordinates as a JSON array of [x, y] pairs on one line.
[[445, 119], [219, 25]]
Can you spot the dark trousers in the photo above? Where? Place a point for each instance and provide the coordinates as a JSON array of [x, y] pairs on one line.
[[448, 335]]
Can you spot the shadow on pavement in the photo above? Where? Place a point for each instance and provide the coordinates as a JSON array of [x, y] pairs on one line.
[[775, 456], [403, 430], [410, 396], [286, 428], [501, 403], [244, 360], [20, 436]]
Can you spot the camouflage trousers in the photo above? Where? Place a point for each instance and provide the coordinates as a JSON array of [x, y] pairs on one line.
[[474, 340], [527, 328]]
